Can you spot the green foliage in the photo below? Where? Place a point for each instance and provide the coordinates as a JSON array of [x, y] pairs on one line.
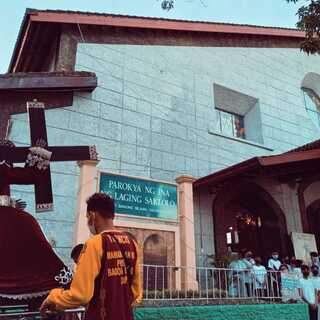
[[167, 4], [309, 22]]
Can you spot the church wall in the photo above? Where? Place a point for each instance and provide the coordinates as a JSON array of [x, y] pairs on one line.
[[312, 193], [286, 197], [152, 115]]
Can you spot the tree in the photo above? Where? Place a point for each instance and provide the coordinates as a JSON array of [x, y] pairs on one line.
[[169, 4], [309, 22]]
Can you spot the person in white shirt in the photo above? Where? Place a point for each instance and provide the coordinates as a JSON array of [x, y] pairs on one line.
[[274, 264], [315, 277], [236, 286], [240, 278], [308, 292], [247, 263], [296, 267], [259, 277], [316, 283]]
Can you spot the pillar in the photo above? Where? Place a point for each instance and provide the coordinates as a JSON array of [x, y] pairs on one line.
[[87, 186], [187, 233]]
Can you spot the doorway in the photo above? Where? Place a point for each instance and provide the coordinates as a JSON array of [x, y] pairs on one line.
[[252, 216], [155, 261], [313, 214]]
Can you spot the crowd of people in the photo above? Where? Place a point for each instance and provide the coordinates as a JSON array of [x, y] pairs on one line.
[[290, 279]]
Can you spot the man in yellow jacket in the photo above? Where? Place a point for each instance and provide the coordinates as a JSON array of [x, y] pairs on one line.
[[107, 278]]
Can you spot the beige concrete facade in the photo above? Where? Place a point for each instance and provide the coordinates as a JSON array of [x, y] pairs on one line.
[[179, 236], [88, 185], [187, 232]]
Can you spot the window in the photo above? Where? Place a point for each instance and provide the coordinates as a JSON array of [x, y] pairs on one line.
[[237, 114], [230, 124], [312, 104]]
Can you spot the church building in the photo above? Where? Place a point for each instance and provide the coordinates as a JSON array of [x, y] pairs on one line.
[[206, 132]]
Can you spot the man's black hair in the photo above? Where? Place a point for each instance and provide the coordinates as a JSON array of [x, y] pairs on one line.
[[75, 253], [313, 254], [101, 203]]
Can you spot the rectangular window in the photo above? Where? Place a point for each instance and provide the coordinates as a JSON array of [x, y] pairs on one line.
[[230, 124]]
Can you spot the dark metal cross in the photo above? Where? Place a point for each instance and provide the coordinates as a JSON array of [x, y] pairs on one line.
[[30, 155]]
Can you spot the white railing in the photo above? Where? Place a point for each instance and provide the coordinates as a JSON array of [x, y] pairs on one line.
[[205, 285], [201, 283]]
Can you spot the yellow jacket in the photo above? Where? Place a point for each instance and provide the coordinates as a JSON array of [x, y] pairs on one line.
[[82, 285]]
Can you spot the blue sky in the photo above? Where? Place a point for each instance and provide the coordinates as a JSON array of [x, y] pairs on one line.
[[260, 12]]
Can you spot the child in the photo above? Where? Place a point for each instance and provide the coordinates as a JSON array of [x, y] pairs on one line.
[[75, 253]]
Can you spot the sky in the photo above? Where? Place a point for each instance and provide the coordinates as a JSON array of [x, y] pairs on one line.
[[259, 12]]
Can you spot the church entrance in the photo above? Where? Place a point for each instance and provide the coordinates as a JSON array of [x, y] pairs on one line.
[[258, 231], [155, 273], [246, 217], [313, 213]]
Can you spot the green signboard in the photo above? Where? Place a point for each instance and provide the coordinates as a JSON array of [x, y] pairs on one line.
[[139, 197]]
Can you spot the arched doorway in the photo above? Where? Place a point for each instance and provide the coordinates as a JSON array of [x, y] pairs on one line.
[[155, 262], [253, 218], [313, 214]]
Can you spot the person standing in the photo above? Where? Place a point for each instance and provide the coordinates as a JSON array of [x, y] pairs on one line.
[[314, 259], [274, 264], [286, 261], [315, 277], [308, 292], [247, 264], [236, 276], [259, 277], [107, 279], [316, 282]]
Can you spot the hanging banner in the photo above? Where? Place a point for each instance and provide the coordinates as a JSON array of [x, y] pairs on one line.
[[303, 244], [139, 197]]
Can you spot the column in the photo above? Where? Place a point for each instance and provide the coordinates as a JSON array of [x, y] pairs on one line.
[[87, 186], [187, 233]]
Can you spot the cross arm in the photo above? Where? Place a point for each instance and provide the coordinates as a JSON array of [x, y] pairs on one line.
[[14, 155], [22, 176], [73, 153], [19, 154]]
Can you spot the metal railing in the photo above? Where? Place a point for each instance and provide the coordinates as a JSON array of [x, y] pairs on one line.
[[172, 283], [204, 283]]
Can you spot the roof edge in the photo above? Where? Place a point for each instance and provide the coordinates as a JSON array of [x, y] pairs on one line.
[[48, 81], [60, 16], [93, 18], [239, 167]]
